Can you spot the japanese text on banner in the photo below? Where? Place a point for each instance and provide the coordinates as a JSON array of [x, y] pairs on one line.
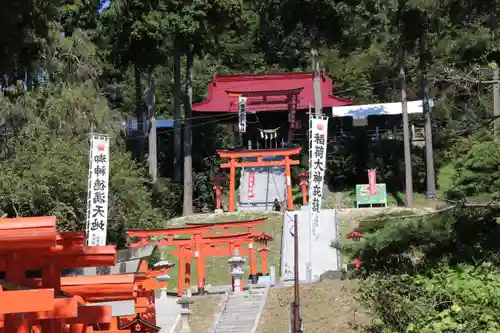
[[97, 210], [317, 165]]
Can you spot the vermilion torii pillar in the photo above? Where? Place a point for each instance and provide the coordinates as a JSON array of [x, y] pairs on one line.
[[234, 155]]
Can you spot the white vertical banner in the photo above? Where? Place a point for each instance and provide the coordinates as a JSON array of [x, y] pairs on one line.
[[97, 195], [318, 138], [242, 114]]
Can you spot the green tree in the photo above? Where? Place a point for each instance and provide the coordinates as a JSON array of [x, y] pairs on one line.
[[196, 26], [136, 33], [44, 155], [433, 273]]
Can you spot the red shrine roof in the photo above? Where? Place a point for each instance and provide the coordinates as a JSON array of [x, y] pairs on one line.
[[223, 92]]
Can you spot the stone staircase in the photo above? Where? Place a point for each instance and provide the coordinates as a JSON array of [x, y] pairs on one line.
[[241, 311]]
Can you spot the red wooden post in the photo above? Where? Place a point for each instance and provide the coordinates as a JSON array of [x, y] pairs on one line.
[[180, 274], [187, 281], [232, 184], [200, 262], [263, 255]]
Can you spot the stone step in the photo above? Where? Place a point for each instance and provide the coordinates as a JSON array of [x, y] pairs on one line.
[[239, 315], [252, 295], [244, 326], [242, 321], [242, 308], [245, 301], [249, 299], [241, 311]]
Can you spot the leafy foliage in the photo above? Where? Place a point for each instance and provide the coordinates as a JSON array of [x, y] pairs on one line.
[[478, 171], [436, 273], [461, 299]]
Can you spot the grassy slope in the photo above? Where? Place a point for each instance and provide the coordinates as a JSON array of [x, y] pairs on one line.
[[217, 267], [326, 307], [204, 309]]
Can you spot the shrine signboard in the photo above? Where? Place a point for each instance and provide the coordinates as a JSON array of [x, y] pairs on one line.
[[97, 195], [363, 196]]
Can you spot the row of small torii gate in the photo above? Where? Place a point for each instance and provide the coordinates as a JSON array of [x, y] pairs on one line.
[[36, 296]]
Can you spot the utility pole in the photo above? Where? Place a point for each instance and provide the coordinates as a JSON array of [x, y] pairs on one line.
[[318, 107], [406, 141], [139, 114], [153, 153], [429, 152], [496, 99], [187, 207], [297, 322], [177, 112]]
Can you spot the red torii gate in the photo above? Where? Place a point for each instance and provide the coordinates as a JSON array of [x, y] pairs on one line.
[[202, 243], [233, 155], [186, 253]]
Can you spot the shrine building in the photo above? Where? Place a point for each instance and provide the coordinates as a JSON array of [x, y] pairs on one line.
[[277, 105]]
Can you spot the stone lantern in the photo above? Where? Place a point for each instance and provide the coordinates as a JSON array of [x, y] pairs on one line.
[[185, 301], [164, 277], [236, 264], [304, 179], [163, 291]]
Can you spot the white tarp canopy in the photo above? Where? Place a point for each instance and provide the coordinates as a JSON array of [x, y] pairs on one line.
[[383, 109]]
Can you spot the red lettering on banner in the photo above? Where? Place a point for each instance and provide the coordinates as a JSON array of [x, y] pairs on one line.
[[372, 181], [251, 183]]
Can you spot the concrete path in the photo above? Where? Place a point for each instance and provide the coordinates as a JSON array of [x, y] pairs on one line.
[[260, 186], [325, 258], [241, 312], [167, 311]]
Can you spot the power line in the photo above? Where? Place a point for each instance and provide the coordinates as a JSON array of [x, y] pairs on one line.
[[226, 117]]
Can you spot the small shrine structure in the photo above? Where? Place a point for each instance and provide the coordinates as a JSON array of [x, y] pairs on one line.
[[277, 104], [51, 282], [127, 287], [32, 244]]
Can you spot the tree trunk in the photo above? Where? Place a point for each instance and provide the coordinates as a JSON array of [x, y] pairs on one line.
[[177, 114], [138, 113], [187, 208]]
